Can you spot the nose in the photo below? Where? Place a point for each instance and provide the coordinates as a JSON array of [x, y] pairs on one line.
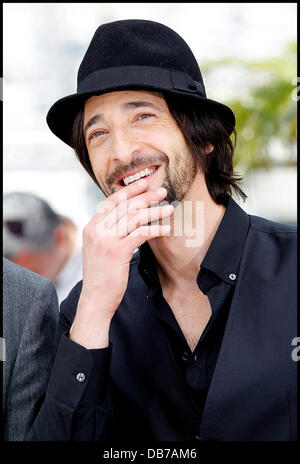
[[123, 146]]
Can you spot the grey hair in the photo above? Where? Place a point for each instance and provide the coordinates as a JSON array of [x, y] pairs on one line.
[[37, 221]]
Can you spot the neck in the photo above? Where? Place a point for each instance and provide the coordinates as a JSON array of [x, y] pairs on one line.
[[193, 226], [66, 249]]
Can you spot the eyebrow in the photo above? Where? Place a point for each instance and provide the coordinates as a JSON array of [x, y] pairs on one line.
[[91, 122], [139, 104], [125, 107]]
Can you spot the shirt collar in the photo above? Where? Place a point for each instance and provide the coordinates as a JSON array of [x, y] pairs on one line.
[[224, 253], [147, 265]]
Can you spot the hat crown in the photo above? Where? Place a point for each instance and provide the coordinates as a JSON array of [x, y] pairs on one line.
[[134, 54], [137, 43]]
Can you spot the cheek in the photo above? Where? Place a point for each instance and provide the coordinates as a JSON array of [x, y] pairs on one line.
[[160, 139], [98, 162]]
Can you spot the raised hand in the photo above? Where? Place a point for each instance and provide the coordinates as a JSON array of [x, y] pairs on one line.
[[109, 240]]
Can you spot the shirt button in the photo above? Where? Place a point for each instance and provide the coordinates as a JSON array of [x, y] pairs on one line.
[[148, 298], [80, 377], [232, 276], [185, 356]]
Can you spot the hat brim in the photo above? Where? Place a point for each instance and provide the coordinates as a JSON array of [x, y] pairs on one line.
[[61, 116]]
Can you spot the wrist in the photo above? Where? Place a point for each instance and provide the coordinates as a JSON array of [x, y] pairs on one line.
[[90, 327], [90, 303]]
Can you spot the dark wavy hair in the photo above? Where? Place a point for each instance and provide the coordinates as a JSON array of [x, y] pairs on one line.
[[200, 128]]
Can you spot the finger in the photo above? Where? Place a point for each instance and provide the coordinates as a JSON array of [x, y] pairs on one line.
[[116, 198], [140, 235], [126, 207], [144, 200], [141, 217]]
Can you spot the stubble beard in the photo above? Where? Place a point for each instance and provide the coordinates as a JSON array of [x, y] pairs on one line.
[[179, 183], [176, 183]]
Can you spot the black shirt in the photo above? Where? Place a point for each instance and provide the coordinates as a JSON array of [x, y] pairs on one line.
[[138, 389], [147, 383], [216, 279]]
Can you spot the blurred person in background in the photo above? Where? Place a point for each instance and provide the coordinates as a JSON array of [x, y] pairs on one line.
[[39, 239], [30, 315]]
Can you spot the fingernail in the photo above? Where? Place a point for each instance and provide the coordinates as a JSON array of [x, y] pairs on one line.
[[170, 207], [141, 182]]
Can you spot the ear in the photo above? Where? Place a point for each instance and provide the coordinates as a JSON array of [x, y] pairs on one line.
[[59, 234], [208, 149]]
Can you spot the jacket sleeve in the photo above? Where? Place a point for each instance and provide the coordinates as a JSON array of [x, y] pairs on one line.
[[75, 405], [34, 359]]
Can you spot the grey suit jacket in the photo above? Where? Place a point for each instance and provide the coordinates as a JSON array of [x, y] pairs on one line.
[[30, 315]]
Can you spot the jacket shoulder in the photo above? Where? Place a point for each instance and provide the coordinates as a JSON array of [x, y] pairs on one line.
[[269, 238], [266, 225], [21, 279]]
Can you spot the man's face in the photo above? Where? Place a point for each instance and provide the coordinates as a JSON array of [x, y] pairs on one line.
[[132, 133]]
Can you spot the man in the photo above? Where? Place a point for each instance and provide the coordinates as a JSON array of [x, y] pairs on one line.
[[39, 239], [190, 337], [30, 315]]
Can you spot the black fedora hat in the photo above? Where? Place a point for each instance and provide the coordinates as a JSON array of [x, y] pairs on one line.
[[134, 54]]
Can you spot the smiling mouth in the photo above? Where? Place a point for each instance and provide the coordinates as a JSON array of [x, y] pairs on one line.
[[136, 175]]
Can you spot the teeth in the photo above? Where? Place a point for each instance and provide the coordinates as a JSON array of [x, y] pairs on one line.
[[146, 172]]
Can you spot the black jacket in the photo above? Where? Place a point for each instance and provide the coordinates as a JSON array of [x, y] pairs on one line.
[[137, 393]]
